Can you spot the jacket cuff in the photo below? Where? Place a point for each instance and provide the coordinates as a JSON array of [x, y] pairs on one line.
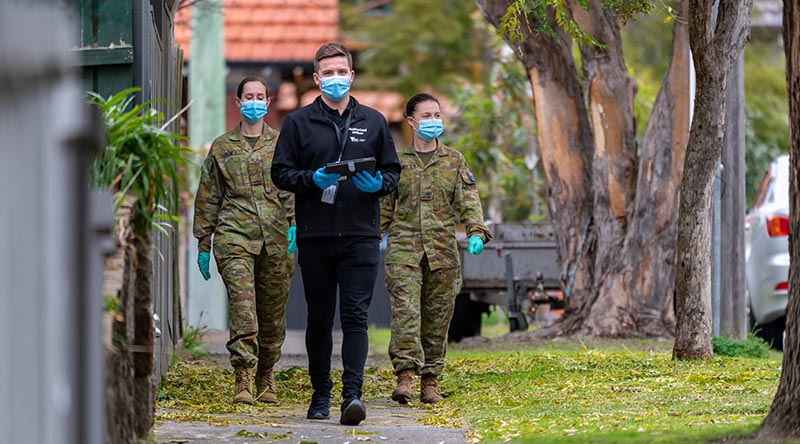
[[204, 245]]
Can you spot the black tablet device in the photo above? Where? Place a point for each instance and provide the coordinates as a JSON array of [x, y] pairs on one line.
[[348, 168]]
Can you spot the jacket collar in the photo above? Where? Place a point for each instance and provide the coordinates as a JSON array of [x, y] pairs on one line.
[[318, 111], [410, 151], [267, 133], [440, 152]]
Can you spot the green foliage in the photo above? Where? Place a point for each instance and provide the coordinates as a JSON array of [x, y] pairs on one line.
[[541, 14], [766, 110], [140, 156], [494, 324], [193, 341], [379, 340], [419, 44], [646, 45], [494, 131], [111, 304], [752, 347]]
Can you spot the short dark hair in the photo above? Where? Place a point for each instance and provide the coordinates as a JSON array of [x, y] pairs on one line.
[[415, 100], [333, 49], [247, 80]]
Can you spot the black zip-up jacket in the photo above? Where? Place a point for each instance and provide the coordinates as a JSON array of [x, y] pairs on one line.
[[307, 142]]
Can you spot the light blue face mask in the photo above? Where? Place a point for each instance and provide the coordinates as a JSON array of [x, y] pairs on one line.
[[335, 87], [253, 110], [430, 129]]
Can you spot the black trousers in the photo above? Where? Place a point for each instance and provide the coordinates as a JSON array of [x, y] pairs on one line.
[[351, 264]]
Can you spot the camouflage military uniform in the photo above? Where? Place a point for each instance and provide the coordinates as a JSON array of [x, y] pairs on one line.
[[422, 264], [249, 218]]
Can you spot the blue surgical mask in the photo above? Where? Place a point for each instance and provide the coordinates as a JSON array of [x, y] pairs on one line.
[[335, 87], [253, 110], [430, 129]]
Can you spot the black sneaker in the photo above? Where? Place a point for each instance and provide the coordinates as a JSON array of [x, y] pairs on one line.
[[353, 412], [320, 407]]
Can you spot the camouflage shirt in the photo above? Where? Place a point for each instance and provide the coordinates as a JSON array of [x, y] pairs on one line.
[[421, 213], [236, 200]]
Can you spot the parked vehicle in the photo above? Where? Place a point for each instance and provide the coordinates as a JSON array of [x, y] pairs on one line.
[[767, 254], [518, 268]]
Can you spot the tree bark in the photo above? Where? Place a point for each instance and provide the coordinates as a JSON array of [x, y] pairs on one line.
[[714, 49], [783, 420], [610, 93], [615, 213], [650, 247], [120, 278], [565, 139], [143, 341]]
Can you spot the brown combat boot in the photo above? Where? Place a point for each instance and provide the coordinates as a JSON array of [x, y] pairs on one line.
[[405, 387], [265, 386], [430, 390], [244, 386]]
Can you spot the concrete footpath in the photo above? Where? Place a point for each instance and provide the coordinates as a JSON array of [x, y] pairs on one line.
[[387, 421]]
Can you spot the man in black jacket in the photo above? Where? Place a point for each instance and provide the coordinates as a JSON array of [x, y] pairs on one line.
[[338, 221]]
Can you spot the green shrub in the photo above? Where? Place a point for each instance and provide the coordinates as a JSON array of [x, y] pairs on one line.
[[193, 341], [752, 347], [140, 157]]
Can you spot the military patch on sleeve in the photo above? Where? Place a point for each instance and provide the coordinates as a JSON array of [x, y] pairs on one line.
[[467, 177]]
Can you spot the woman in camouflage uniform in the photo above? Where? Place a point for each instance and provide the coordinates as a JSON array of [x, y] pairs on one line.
[[252, 224], [422, 266]]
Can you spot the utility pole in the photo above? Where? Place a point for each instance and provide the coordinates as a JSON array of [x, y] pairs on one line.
[[206, 122], [733, 316]]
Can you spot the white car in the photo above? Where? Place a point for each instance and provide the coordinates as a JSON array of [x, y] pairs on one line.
[[767, 254]]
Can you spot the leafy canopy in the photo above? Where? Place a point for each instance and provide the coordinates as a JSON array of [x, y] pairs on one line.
[[413, 44], [545, 16]]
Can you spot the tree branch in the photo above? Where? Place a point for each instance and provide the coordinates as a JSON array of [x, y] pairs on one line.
[[733, 24], [700, 31]]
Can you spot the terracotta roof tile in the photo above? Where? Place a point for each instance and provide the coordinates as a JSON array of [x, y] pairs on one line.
[[270, 30]]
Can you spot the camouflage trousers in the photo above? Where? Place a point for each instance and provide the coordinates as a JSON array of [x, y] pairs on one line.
[[258, 287], [422, 306]]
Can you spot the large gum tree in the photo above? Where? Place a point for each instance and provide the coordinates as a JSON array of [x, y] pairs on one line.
[[614, 204]]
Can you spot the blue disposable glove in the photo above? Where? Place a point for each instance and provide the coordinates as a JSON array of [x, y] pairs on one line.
[[291, 237], [475, 245], [202, 261], [366, 183], [324, 180]]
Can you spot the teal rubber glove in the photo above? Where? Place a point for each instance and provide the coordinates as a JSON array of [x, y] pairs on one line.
[[291, 237], [364, 181], [475, 245], [202, 261], [324, 180]]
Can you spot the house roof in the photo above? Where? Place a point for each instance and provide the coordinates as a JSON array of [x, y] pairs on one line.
[[270, 30]]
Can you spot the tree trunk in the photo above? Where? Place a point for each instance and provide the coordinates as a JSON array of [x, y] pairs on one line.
[[650, 247], [783, 421], [714, 48], [610, 94], [565, 139], [143, 342], [120, 278], [614, 214]]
